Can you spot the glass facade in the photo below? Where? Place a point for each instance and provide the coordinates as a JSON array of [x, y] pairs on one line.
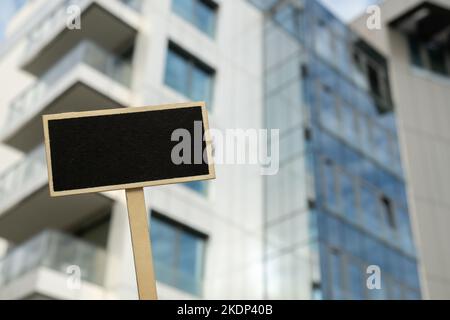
[[201, 187], [201, 13], [178, 254], [188, 75], [338, 204]]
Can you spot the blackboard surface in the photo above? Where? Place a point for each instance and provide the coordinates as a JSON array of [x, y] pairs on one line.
[[119, 149]]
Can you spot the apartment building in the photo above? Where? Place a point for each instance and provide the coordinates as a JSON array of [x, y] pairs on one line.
[[337, 205], [415, 37], [206, 235]]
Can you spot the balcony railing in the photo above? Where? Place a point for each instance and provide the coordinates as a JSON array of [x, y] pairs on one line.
[[59, 16], [84, 53], [32, 168], [56, 251]]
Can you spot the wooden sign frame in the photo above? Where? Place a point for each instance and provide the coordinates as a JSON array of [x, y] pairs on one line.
[[137, 209], [68, 115]]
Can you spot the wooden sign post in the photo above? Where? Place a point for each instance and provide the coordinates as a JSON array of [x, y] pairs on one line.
[[140, 239], [132, 148]]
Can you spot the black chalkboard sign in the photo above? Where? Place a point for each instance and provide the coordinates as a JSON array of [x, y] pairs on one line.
[[127, 148]]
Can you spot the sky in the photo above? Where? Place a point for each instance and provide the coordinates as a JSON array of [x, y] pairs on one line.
[[347, 10], [344, 9]]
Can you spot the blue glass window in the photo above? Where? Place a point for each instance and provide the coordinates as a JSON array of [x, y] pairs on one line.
[[388, 214], [198, 186], [369, 208], [178, 254], [335, 230], [356, 280], [382, 143], [324, 41], [177, 71], [348, 199], [353, 242], [201, 13], [329, 181], [394, 290], [365, 137], [342, 54], [412, 295], [329, 117], [188, 75], [330, 147], [336, 275], [349, 125]]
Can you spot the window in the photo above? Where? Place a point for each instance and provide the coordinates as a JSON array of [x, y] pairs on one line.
[[335, 230], [317, 292], [353, 241], [290, 17], [356, 280], [372, 74], [374, 80], [329, 181], [430, 56], [336, 274], [325, 41], [188, 75], [349, 124], [365, 133], [394, 289], [369, 208], [381, 141], [329, 117], [201, 13], [437, 56], [198, 186], [178, 254], [347, 192], [415, 52], [388, 212]]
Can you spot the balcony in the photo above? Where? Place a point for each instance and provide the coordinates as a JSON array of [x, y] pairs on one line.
[[24, 197], [38, 268], [50, 39], [88, 77], [429, 22]]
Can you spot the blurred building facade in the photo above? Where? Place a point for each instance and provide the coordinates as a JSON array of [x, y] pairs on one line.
[[206, 236], [415, 37], [337, 206]]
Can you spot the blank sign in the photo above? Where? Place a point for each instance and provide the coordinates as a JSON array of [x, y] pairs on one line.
[[125, 148]]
